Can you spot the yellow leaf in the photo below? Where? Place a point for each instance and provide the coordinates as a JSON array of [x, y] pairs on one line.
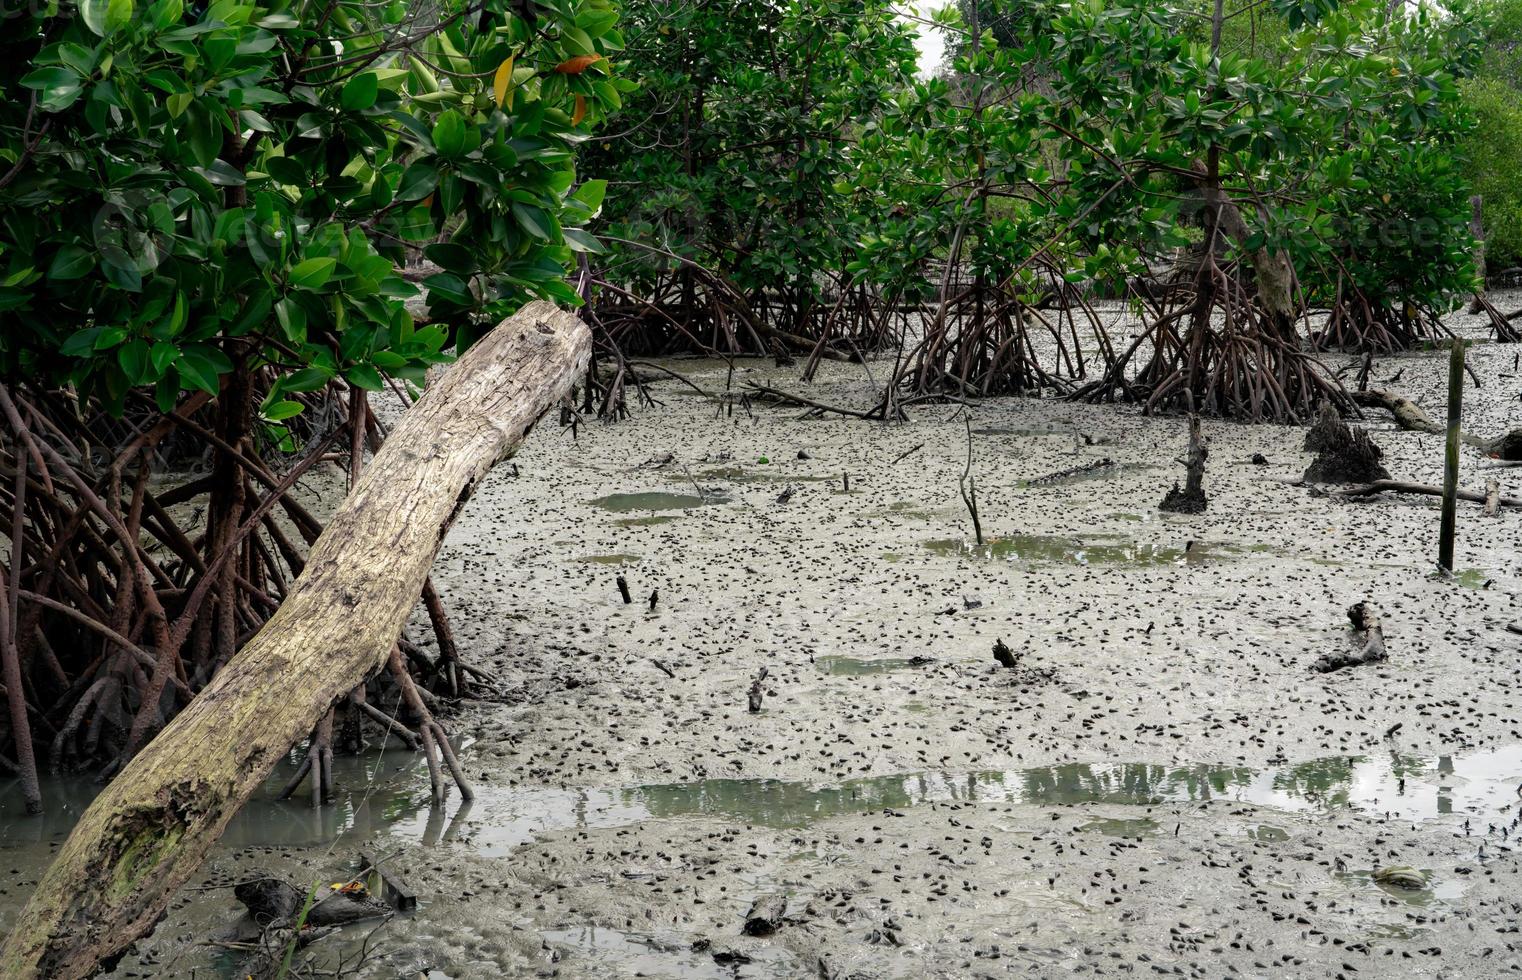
[[503, 81], [581, 110], [578, 64]]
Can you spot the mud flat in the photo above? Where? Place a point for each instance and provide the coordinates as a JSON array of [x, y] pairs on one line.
[[1162, 786]]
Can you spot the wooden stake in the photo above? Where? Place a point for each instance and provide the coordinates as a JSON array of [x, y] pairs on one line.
[[1451, 458]]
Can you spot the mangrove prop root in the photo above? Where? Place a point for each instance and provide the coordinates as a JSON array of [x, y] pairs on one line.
[[152, 826]]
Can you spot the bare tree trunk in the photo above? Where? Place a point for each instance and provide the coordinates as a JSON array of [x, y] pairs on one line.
[[1272, 271], [148, 832]]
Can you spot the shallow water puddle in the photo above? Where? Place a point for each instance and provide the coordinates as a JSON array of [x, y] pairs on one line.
[[1436, 891], [1142, 827], [374, 791], [608, 559], [1099, 549], [1040, 429], [1400, 787], [628, 503], [1473, 578], [395, 805], [855, 667]]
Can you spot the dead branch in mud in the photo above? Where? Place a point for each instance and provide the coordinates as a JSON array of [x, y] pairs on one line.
[[968, 487], [1408, 415], [151, 827], [1422, 489], [1084, 469], [792, 399]]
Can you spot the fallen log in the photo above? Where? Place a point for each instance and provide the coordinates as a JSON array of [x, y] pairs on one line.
[[1425, 489], [1412, 417], [151, 827]]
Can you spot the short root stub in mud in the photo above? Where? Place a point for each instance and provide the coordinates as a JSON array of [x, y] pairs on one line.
[[1191, 498], [765, 916], [1344, 453], [1368, 641]]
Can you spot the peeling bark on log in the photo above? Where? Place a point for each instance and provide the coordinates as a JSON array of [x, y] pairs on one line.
[[1408, 414], [149, 830]]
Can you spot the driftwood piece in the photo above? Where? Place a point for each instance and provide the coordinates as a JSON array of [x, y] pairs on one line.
[[1344, 453], [149, 830], [1369, 639], [1413, 418], [1072, 471], [393, 888], [1408, 414], [1191, 499], [757, 693], [765, 915], [269, 901], [1424, 489], [273, 902], [342, 908]]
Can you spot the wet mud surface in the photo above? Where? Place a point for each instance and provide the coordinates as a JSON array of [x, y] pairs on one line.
[[1161, 786]]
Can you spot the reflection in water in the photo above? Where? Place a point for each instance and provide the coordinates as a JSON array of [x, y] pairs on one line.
[[624, 503], [857, 667], [1098, 549], [375, 791], [387, 795]]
